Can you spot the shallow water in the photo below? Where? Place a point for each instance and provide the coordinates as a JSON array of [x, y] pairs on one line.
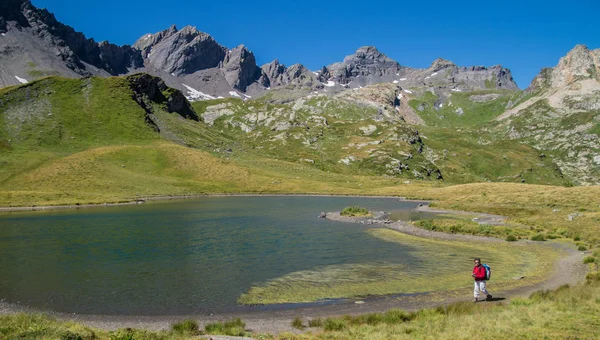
[[179, 257]]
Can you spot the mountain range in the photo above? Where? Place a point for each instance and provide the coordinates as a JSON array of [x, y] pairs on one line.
[[366, 115], [34, 44]]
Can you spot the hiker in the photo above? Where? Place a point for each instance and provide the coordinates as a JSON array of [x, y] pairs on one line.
[[480, 276]]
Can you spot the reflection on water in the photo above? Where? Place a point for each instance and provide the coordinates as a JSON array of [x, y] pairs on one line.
[[179, 257]]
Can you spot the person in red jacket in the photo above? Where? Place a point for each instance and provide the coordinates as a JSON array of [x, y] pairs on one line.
[[479, 276]]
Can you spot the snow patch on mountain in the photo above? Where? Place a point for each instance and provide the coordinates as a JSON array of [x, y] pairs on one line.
[[194, 95], [21, 80]]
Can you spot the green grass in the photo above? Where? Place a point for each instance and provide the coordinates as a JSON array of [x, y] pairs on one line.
[[358, 280], [234, 327], [474, 113], [186, 327], [355, 211], [297, 323]]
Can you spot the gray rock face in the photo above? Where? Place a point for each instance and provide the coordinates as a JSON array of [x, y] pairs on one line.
[[276, 74], [181, 52], [369, 66], [240, 68], [367, 62], [42, 43], [579, 64]]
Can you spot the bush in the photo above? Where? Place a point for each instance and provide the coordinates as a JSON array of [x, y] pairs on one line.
[[592, 278], [355, 211], [235, 327], [589, 259], [511, 238], [318, 322], [577, 238], [68, 335], [186, 327], [396, 316], [297, 323], [582, 248], [538, 237], [332, 324]]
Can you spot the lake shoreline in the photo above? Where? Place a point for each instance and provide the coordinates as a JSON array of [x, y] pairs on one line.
[[143, 200], [567, 270]]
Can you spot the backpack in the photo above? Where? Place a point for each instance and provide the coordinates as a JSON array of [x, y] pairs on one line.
[[488, 271]]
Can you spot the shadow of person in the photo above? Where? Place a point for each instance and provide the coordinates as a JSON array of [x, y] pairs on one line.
[[495, 299]]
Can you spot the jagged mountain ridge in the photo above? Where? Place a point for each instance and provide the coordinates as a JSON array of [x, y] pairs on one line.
[[34, 44]]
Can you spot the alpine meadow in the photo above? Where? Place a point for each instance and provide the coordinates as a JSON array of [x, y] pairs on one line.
[[510, 173]]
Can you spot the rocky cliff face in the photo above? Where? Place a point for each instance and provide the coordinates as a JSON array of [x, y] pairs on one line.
[[578, 65], [369, 66], [35, 44], [182, 51], [240, 68]]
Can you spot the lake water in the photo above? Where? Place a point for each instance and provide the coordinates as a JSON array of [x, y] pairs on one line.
[[179, 257]]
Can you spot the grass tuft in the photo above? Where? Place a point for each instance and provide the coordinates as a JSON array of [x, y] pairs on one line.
[[355, 211], [186, 327], [538, 237], [297, 323], [318, 322], [235, 327]]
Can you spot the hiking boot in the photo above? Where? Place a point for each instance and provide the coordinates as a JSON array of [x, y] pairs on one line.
[[476, 299], [488, 297]]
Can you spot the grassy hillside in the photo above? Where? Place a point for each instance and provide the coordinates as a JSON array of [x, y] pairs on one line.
[[67, 141]]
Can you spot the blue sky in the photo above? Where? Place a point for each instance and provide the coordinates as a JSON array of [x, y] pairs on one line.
[[523, 36]]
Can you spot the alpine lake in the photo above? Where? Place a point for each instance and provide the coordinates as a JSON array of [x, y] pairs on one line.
[[223, 254]]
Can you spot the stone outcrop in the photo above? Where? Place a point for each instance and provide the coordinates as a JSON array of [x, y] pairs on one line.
[[240, 68], [182, 51]]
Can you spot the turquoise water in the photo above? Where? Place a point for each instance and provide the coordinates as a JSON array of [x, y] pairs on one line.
[[178, 257]]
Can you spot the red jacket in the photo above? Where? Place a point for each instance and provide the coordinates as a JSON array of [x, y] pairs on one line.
[[479, 272]]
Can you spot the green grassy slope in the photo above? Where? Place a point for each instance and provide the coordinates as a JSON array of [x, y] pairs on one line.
[[101, 139]]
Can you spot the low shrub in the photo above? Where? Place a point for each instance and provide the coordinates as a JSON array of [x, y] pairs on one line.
[[186, 327], [355, 211], [333, 324], [318, 322], [582, 248], [235, 327], [297, 323], [511, 238], [538, 237], [589, 259]]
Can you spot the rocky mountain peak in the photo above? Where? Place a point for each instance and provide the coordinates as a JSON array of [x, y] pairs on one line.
[[367, 62], [579, 64], [145, 43], [240, 67], [440, 64], [367, 55], [181, 52]]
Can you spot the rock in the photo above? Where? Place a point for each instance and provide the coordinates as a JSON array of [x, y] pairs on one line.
[[367, 62], [359, 302], [518, 277], [322, 215], [240, 68], [276, 74], [182, 52]]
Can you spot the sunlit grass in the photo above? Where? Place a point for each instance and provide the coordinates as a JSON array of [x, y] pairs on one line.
[[446, 261]]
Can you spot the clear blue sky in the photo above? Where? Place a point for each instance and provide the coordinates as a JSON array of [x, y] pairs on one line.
[[523, 35]]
